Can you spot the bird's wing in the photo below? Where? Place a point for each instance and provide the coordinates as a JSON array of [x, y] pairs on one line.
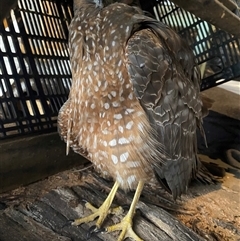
[[161, 68]]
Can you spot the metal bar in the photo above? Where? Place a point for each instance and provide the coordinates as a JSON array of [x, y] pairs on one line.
[[213, 12]]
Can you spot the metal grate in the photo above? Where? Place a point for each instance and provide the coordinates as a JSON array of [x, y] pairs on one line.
[[217, 52], [35, 72]]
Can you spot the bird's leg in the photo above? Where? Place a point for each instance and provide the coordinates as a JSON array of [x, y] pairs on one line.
[[100, 212], [125, 226]]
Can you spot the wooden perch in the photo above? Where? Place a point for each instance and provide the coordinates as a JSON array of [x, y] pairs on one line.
[[48, 218], [29, 159]]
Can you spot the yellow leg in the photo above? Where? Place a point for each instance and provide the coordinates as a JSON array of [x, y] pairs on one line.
[[101, 212], [125, 226]]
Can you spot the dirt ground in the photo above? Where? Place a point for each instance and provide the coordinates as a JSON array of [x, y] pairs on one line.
[[218, 209]]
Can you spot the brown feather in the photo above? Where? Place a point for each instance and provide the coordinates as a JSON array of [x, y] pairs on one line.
[[134, 104]]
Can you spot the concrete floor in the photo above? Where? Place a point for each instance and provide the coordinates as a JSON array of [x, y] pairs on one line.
[[226, 98]]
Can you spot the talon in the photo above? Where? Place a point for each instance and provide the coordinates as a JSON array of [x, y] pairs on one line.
[[91, 230], [68, 223], [125, 207], [84, 201], [94, 230], [125, 226], [102, 230]]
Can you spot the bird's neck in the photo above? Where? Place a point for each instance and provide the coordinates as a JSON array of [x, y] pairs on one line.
[[83, 3]]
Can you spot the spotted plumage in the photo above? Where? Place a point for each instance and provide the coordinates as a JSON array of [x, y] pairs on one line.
[[134, 104]]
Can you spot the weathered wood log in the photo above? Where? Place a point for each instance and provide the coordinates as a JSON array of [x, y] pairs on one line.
[[48, 218]]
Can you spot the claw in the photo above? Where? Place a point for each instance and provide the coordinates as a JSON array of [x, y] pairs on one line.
[[84, 201], [125, 226], [125, 206], [68, 223], [94, 230]]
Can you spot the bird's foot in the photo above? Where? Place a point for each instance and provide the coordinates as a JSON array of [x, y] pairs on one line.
[[100, 212], [125, 226]]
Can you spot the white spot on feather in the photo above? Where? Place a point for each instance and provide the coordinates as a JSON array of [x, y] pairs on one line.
[[91, 129], [141, 127], [105, 131], [118, 116], [114, 93], [130, 96], [96, 88], [120, 128], [129, 125], [95, 142], [123, 140], [90, 67], [102, 114], [120, 63], [105, 143], [119, 178], [124, 157], [131, 179], [120, 76], [114, 159], [128, 111], [113, 142], [134, 164], [106, 106], [115, 104], [104, 154]]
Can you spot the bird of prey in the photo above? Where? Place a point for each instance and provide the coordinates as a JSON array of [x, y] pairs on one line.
[[134, 104]]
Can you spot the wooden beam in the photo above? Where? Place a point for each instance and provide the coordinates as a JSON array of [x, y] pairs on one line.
[[231, 5], [213, 12], [29, 159]]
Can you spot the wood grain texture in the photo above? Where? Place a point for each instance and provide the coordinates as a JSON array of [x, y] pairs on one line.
[[29, 159], [48, 218]]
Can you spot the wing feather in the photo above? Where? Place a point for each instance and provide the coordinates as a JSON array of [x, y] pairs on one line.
[[166, 82]]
